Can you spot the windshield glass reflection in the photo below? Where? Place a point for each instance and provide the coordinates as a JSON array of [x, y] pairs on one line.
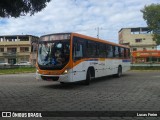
[[54, 53]]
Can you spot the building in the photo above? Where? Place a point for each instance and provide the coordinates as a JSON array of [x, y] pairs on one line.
[[139, 38], [18, 48], [143, 48]]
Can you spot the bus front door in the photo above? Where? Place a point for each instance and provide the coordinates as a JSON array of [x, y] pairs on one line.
[[79, 72]]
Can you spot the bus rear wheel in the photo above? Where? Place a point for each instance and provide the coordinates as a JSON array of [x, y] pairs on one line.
[[119, 72]]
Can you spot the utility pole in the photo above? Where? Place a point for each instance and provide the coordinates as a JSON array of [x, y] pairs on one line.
[[98, 32], [98, 28]]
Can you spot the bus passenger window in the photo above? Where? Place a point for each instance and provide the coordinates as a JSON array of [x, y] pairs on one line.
[[78, 51], [102, 50], [116, 52], [91, 49], [109, 51], [122, 52], [113, 50]]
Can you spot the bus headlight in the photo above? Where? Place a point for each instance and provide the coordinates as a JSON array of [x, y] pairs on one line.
[[66, 71], [37, 71]]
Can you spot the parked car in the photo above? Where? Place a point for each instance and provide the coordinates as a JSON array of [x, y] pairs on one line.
[[3, 63], [24, 63]]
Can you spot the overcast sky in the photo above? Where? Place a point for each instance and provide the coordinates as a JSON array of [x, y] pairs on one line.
[[81, 16]]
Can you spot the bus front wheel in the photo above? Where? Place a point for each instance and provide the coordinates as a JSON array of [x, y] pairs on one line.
[[61, 82]]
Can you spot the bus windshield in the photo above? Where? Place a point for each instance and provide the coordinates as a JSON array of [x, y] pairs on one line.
[[53, 54]]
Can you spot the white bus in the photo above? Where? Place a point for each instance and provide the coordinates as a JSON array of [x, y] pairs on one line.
[[70, 57]]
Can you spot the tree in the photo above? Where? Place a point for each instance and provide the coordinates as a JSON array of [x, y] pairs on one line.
[[17, 8], [151, 14]]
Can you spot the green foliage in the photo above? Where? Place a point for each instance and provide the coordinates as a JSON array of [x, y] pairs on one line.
[[18, 70], [151, 14], [17, 8], [156, 37]]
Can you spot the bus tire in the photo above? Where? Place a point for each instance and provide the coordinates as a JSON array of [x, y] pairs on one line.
[[88, 77], [119, 72]]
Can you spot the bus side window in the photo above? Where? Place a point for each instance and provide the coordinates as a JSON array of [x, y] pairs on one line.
[[102, 50], [113, 51], [97, 50], [91, 49], [125, 53], [116, 50], [122, 52], [109, 51], [78, 50]]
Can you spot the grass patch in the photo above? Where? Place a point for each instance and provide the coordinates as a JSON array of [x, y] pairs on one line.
[[145, 67], [18, 70]]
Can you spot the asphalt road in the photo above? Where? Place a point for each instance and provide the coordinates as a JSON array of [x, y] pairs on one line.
[[134, 91]]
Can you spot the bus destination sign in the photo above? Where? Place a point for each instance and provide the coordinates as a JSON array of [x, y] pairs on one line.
[[55, 37]]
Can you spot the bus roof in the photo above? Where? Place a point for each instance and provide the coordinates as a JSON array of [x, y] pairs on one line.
[[98, 40], [89, 38]]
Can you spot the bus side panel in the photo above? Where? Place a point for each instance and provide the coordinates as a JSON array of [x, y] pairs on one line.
[[126, 65], [117, 63], [110, 67], [100, 68], [79, 71]]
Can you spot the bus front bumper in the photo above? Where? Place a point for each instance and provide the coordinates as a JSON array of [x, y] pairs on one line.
[[59, 78]]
